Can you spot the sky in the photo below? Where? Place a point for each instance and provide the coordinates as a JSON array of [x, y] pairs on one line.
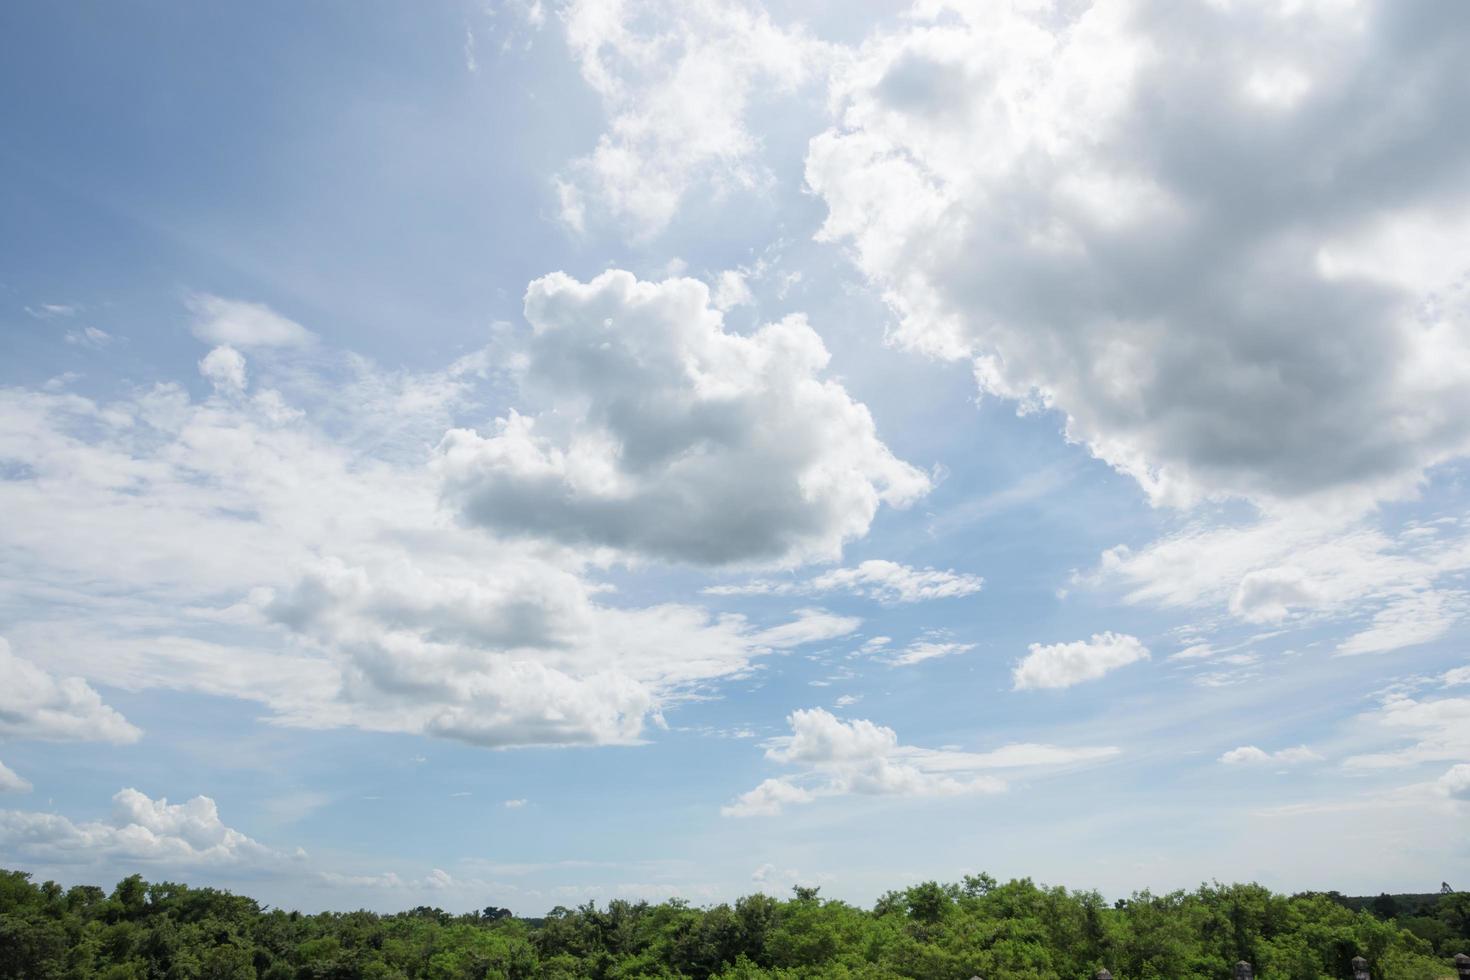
[[559, 450]]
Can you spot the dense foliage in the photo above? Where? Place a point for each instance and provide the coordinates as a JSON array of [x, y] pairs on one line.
[[929, 931]]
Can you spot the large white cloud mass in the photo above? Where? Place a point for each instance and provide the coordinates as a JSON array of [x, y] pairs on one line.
[[832, 757], [663, 434], [284, 539], [1227, 241]]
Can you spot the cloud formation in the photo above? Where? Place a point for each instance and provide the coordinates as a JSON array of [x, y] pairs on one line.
[[34, 704], [1399, 588], [162, 541], [139, 828], [676, 81], [10, 782], [1226, 243], [1065, 664], [1437, 729], [662, 434], [237, 323], [833, 757]]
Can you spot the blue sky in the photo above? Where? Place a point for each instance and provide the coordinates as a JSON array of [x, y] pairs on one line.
[[535, 452]]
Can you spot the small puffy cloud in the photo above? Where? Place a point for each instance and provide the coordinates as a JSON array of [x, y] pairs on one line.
[[1204, 258], [731, 291], [1267, 595], [139, 829], [664, 435], [883, 581], [225, 369], [1456, 677], [34, 704], [1250, 755], [1455, 783], [1065, 664], [832, 757], [236, 323], [514, 804], [12, 783]]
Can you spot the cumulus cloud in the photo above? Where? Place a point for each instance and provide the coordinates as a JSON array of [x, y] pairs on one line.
[[882, 581], [1226, 244], [225, 369], [12, 783], [1455, 783], [832, 757], [1065, 664], [676, 81], [664, 435], [34, 704], [139, 829], [158, 541], [1250, 755], [236, 323]]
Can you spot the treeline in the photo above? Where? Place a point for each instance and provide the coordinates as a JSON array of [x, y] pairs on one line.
[[978, 927]]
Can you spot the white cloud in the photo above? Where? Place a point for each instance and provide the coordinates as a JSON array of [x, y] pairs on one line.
[[928, 649], [225, 369], [1195, 651], [1065, 664], [1438, 730], [1455, 783], [833, 757], [34, 704], [236, 323], [676, 81], [1456, 677], [664, 435], [159, 542], [1207, 258], [139, 829], [1295, 567], [877, 579], [1268, 595], [1250, 755], [12, 783], [514, 804], [731, 291], [1407, 621]]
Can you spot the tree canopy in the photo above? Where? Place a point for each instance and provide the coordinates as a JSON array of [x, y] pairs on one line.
[[930, 931]]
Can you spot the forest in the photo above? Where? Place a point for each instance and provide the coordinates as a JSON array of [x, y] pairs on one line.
[[976, 927]]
